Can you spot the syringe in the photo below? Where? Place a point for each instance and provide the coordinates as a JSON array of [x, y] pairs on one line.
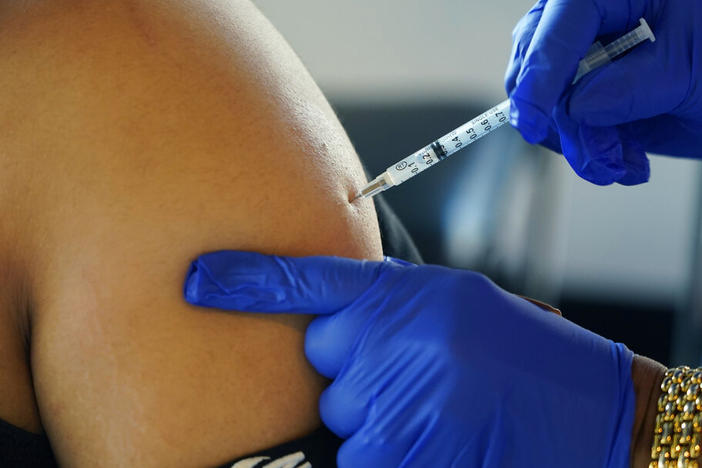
[[492, 119]]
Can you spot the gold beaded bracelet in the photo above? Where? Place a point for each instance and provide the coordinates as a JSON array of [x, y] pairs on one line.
[[678, 432]]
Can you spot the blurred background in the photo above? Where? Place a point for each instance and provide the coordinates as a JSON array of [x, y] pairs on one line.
[[622, 261]]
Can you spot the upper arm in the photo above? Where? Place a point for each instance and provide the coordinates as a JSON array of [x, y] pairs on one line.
[[149, 135]]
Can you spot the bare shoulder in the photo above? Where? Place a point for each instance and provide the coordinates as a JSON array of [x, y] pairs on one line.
[[141, 134]]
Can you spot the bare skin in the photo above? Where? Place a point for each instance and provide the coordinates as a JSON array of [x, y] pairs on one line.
[[135, 136], [647, 376]]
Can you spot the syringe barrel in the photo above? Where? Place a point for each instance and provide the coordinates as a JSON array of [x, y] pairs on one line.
[[624, 43], [596, 57], [449, 144]]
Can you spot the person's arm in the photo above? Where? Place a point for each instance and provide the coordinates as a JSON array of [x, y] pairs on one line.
[[139, 135]]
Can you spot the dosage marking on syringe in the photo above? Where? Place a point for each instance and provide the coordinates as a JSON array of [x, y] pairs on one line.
[[439, 150]]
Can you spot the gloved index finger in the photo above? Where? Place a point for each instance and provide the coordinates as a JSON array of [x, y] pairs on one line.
[[248, 281], [565, 33]]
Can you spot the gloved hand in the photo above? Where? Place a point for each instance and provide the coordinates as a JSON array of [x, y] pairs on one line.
[[649, 100], [435, 367]]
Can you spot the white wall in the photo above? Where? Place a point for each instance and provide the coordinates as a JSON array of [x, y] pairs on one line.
[[632, 242], [453, 48]]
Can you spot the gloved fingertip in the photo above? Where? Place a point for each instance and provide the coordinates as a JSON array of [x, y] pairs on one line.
[[211, 283], [638, 167], [603, 170], [341, 410], [531, 122], [595, 153], [634, 178], [322, 348], [192, 279]]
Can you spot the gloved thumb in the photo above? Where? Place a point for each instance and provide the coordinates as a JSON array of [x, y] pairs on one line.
[[637, 86], [253, 282]]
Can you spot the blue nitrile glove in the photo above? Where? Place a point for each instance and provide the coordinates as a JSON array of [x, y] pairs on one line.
[[648, 100], [435, 367]]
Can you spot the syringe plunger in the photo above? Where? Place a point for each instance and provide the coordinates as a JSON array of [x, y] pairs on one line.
[[599, 55]]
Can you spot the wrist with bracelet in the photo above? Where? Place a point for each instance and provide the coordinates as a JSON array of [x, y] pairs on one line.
[[678, 424]]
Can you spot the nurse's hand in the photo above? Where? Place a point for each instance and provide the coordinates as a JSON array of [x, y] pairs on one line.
[[438, 367], [649, 100]]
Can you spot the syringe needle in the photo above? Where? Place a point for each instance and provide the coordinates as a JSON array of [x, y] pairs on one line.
[[374, 187]]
